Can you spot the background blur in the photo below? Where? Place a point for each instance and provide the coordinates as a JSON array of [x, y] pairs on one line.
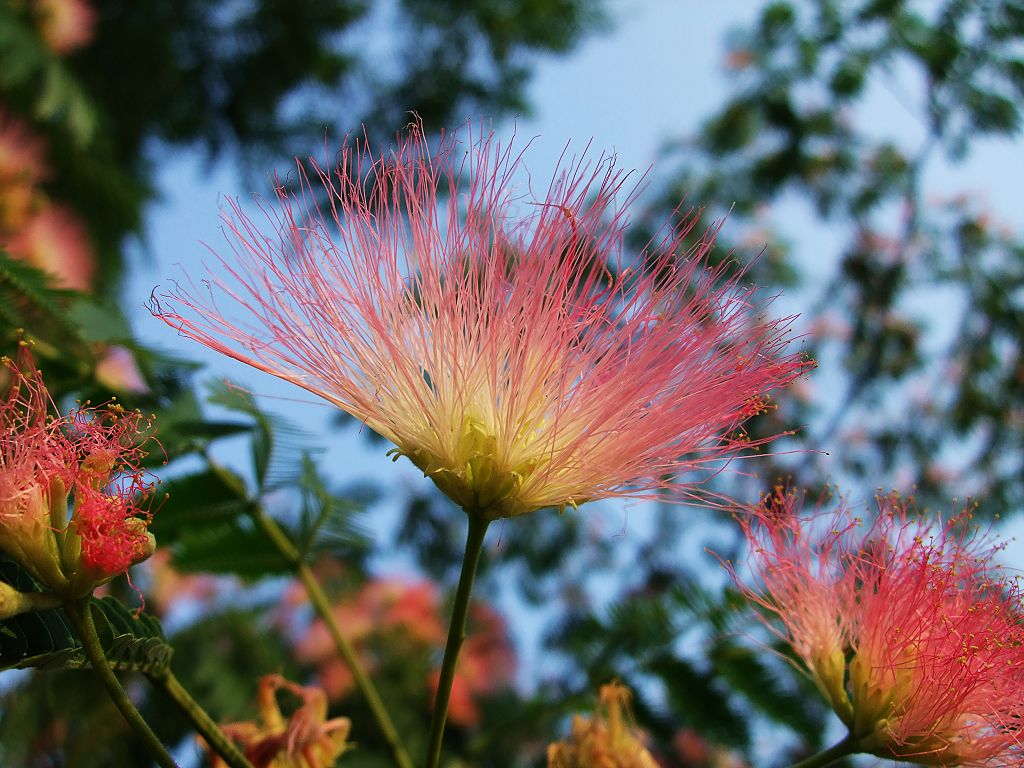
[[867, 154]]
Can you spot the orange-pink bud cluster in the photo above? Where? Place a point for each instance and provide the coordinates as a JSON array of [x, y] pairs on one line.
[[303, 739], [609, 739]]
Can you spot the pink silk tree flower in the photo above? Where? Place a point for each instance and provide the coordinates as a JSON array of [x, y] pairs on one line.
[[505, 343], [22, 168], [72, 494], [906, 625]]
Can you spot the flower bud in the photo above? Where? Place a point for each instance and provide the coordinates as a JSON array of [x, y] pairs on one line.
[[26, 529], [305, 739], [13, 602]]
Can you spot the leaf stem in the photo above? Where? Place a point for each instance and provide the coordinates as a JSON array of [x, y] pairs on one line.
[[478, 523], [323, 608], [205, 725], [80, 613], [847, 746]]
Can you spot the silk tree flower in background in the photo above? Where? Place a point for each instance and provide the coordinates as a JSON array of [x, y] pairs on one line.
[[33, 229], [303, 739], [65, 25], [55, 240], [118, 371], [505, 343], [608, 739], [73, 497], [402, 618], [22, 168], [905, 624]]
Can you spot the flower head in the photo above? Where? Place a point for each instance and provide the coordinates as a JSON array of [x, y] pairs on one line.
[[606, 740], [71, 490], [118, 370], [906, 626], [505, 344], [22, 154]]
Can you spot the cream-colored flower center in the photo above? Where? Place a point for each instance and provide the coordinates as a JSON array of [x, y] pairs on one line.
[[477, 477]]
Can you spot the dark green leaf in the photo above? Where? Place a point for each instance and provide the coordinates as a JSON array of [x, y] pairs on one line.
[[47, 639], [229, 548], [695, 698], [98, 322], [277, 445], [200, 500], [327, 521], [747, 673]]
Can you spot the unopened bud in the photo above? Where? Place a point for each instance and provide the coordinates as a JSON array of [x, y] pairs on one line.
[[13, 602]]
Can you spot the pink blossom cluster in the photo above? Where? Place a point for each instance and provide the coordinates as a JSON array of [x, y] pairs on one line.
[[33, 227], [72, 490], [64, 25], [50, 236], [905, 625]]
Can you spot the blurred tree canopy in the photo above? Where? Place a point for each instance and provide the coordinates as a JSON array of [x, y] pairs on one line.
[[850, 107], [917, 331]]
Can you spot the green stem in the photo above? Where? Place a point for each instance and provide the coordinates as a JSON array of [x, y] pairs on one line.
[[204, 724], [80, 614], [478, 523], [847, 746], [323, 608]]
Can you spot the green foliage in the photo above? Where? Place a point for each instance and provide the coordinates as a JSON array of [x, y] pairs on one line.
[[230, 548], [35, 639], [695, 700], [761, 683], [227, 653], [69, 331], [277, 445], [206, 498], [47, 640], [59, 719], [28, 302], [328, 523], [54, 93], [208, 517]]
